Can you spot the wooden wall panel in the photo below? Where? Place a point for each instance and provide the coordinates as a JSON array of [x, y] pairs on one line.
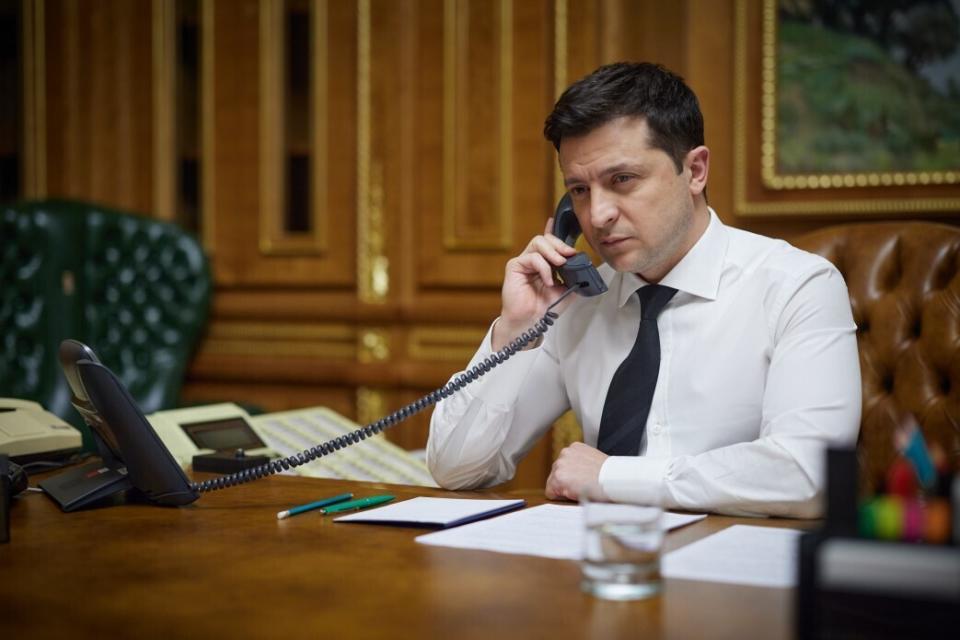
[[475, 182], [230, 218], [244, 253], [99, 110]]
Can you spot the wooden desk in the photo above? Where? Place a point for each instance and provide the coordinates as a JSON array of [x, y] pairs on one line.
[[226, 567]]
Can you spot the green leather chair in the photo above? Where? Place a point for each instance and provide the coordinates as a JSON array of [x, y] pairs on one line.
[[134, 289]]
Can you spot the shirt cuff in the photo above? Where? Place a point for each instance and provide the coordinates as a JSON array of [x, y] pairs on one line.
[[635, 479]]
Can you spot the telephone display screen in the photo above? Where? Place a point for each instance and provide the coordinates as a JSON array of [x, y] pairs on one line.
[[220, 435]]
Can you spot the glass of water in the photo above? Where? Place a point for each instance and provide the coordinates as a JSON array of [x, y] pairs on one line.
[[622, 545]]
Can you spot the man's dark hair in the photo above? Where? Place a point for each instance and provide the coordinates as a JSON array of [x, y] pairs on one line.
[[641, 90]]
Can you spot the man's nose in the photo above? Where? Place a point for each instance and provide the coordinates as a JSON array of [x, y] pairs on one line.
[[603, 209]]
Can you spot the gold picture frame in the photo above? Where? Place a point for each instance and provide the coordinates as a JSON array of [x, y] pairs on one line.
[[761, 189]]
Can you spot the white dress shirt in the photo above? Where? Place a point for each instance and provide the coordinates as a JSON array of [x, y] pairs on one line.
[[759, 373]]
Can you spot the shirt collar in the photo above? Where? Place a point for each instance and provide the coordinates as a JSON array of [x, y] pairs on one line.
[[697, 273]]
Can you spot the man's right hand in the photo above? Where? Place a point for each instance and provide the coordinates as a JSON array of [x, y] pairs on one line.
[[529, 287]]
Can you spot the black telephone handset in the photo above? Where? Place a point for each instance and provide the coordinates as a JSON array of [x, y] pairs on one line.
[[578, 272], [134, 456]]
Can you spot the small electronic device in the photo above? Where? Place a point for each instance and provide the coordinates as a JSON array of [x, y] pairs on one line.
[[28, 432], [209, 430], [217, 438]]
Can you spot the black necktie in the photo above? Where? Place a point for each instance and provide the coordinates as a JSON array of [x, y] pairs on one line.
[[631, 389]]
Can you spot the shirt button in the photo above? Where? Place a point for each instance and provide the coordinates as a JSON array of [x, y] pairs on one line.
[[657, 428]]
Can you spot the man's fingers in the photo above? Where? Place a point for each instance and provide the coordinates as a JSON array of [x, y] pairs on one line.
[[534, 263], [548, 488], [556, 487], [555, 492], [551, 248]]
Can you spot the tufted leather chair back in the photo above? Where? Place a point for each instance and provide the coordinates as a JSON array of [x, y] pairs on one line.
[[904, 284], [136, 290]]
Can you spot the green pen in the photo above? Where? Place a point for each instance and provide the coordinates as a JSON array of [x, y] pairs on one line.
[[357, 504]]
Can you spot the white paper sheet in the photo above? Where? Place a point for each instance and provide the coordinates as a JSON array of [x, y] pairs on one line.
[[435, 512], [548, 530], [741, 554]]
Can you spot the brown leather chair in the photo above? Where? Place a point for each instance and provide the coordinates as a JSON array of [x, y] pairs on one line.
[[904, 283]]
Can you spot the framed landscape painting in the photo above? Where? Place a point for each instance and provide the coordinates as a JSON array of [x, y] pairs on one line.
[[847, 106]]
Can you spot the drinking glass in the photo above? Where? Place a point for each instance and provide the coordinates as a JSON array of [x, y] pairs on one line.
[[622, 549]]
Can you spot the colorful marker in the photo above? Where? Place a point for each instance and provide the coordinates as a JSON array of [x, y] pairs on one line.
[[911, 444]]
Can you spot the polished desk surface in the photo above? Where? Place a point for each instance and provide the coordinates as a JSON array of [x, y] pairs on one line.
[[225, 566]]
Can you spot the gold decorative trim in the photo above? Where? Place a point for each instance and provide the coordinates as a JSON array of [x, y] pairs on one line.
[[272, 184], [373, 266], [455, 33], [283, 340], [274, 238], [371, 405], [740, 108], [34, 99], [560, 44], [373, 345], [450, 344], [164, 50], [566, 431], [744, 206], [72, 129], [121, 41], [319, 119], [208, 160], [506, 123]]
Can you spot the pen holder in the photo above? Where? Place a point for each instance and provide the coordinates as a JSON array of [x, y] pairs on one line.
[[853, 585]]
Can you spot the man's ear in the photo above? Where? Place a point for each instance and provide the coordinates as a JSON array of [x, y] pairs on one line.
[[698, 162]]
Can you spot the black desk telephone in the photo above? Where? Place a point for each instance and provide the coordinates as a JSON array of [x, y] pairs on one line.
[[134, 457]]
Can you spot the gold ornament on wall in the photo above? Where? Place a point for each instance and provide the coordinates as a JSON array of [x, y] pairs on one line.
[[371, 405], [373, 346]]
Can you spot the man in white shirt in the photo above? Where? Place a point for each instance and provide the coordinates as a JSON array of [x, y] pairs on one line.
[[758, 369]]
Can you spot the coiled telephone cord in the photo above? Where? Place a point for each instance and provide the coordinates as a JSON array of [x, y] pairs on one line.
[[462, 380]]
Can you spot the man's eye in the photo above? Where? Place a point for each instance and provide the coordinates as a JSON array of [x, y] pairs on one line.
[[621, 178], [578, 191]]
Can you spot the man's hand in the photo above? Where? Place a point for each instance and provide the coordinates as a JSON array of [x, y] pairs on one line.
[[528, 286], [576, 468]]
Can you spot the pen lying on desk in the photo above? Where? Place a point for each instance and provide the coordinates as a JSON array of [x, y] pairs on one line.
[[357, 504], [292, 511]]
